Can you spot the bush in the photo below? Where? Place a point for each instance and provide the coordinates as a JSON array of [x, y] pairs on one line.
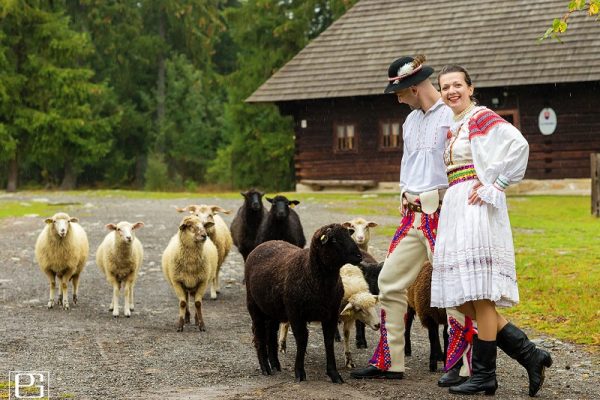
[[157, 176]]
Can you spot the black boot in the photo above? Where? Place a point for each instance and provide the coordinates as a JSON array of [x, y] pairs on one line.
[[515, 343], [484, 370], [452, 377]]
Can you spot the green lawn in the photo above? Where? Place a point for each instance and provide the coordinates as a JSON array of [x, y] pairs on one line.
[[557, 244]]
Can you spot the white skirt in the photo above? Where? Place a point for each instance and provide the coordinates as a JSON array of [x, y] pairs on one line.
[[474, 257]]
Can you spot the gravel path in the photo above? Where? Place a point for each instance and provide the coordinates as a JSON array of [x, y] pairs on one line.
[[91, 355]]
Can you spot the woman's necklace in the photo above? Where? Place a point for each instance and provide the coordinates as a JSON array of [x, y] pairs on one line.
[[464, 112]]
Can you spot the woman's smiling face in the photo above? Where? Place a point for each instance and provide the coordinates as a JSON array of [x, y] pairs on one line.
[[456, 93]]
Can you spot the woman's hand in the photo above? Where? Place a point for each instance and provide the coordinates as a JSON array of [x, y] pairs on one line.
[[474, 198]]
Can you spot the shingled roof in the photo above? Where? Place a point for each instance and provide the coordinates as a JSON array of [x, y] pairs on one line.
[[495, 40]]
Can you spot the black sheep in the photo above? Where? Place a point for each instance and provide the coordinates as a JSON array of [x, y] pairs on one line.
[[281, 223], [370, 269], [247, 221], [287, 284]]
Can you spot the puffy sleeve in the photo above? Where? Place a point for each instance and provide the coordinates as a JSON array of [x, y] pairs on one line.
[[500, 154], [403, 162]]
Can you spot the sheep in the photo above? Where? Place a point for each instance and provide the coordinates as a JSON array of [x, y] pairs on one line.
[[61, 250], [219, 234], [286, 283], [119, 257], [281, 223], [246, 222], [358, 304], [189, 263], [419, 300], [362, 233]]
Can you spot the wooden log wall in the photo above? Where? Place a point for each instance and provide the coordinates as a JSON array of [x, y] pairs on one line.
[[564, 154]]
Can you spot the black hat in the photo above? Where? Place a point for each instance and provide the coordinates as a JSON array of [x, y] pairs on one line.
[[406, 72]]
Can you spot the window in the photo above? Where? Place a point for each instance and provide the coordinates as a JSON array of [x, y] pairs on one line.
[[511, 116], [345, 137], [390, 134]]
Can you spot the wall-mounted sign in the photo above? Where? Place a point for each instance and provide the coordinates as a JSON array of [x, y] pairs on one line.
[[547, 121]]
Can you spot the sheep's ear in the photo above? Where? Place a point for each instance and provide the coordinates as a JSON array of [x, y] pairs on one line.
[[270, 200], [347, 311], [294, 203], [347, 224], [372, 224], [111, 227], [49, 221], [209, 224], [324, 239], [180, 210], [243, 194], [137, 225], [217, 209], [73, 219]]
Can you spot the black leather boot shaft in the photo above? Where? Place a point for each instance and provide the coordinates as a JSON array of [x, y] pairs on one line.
[[484, 370], [515, 344]]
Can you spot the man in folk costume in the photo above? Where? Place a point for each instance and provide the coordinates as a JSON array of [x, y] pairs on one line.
[[423, 181]]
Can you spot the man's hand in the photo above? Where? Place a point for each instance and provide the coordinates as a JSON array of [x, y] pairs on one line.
[[473, 196], [403, 207]]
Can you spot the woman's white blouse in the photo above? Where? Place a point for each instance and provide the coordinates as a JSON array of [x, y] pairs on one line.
[[497, 149]]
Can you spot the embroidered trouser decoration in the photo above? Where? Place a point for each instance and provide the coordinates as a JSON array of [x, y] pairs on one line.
[[460, 343], [381, 358]]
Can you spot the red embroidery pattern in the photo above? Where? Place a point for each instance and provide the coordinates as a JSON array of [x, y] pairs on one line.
[[482, 122], [428, 226], [402, 230], [459, 341], [382, 358]]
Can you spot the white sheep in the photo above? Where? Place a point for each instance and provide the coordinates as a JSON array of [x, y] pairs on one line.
[[219, 234], [189, 263], [362, 233], [358, 304], [119, 257], [61, 251]]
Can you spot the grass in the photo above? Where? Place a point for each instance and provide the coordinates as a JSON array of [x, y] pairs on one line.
[[557, 244]]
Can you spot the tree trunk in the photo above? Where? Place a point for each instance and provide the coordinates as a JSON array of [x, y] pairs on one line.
[[69, 181], [140, 170], [13, 174], [160, 79]]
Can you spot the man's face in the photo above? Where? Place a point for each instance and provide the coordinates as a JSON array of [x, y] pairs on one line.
[[409, 97]]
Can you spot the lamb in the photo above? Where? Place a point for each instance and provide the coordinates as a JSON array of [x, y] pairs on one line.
[[246, 222], [362, 233], [61, 251], [286, 283], [119, 257], [419, 300], [281, 223], [358, 304], [362, 236], [219, 234], [189, 263]]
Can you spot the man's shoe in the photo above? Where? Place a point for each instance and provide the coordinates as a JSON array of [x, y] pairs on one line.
[[452, 377], [372, 372]]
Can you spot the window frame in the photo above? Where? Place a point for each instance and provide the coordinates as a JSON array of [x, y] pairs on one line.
[[514, 112], [345, 124], [390, 121]]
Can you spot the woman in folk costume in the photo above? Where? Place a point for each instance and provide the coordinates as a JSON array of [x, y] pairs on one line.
[[474, 260]]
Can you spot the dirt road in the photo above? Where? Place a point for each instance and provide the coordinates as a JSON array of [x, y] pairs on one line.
[[91, 355]]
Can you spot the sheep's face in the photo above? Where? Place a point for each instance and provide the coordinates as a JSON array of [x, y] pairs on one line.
[[192, 229], [253, 199], [60, 223], [335, 247], [361, 227], [363, 308], [124, 230], [281, 206]]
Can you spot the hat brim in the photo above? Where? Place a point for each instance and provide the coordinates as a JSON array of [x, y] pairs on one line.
[[409, 81]]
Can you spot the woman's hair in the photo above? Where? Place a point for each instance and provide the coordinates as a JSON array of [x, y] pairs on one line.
[[456, 68]]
